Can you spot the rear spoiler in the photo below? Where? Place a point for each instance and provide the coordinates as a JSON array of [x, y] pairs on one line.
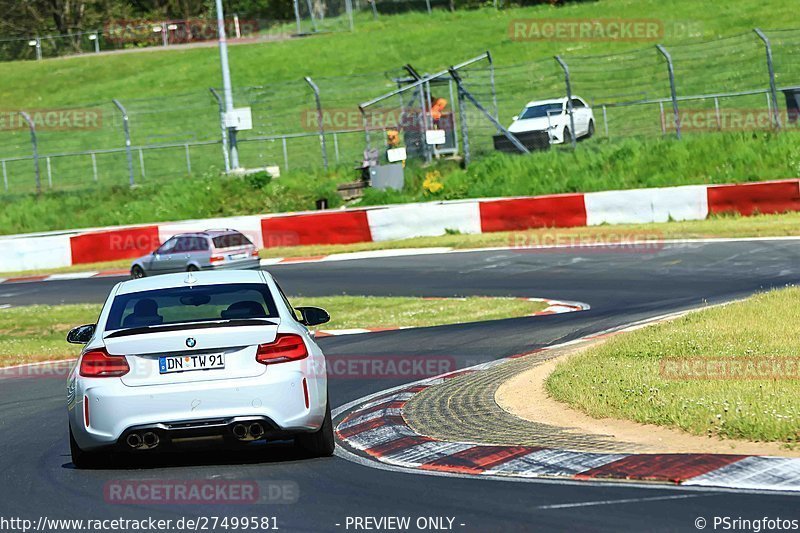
[[233, 323]]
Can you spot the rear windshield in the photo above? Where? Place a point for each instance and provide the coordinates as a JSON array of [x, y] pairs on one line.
[[191, 304], [229, 240]]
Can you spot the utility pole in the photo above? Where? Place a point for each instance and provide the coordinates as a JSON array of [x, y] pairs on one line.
[[227, 92]]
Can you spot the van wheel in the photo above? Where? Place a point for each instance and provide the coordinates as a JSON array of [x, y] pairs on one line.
[[320, 443], [591, 129]]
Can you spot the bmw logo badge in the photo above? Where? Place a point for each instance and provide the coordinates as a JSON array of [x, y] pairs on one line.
[[190, 342]]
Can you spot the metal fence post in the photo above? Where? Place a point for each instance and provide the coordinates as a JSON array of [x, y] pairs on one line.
[[35, 145], [94, 166], [366, 129], [141, 163], [568, 82], [49, 173], [127, 139], [672, 90], [320, 125], [491, 81], [462, 118], [5, 175], [224, 130], [336, 146], [188, 160], [297, 16], [311, 16], [285, 154], [605, 120], [348, 6], [771, 68], [423, 124]]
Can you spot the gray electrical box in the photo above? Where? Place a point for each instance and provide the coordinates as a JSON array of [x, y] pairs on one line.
[[387, 176]]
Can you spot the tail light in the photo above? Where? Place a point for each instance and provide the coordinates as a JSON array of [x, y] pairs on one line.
[[99, 364], [254, 253], [216, 258], [286, 347]]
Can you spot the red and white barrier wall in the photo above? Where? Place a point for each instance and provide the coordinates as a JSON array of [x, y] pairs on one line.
[[385, 223]]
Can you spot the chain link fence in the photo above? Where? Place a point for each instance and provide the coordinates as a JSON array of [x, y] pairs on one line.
[[742, 82]]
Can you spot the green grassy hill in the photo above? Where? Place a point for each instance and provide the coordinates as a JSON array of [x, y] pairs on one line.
[[166, 93]]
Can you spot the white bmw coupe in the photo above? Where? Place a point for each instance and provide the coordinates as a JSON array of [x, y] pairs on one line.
[[182, 357]]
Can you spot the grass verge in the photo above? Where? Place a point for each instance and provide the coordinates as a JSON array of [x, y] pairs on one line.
[[782, 225], [698, 373], [37, 333], [711, 158]]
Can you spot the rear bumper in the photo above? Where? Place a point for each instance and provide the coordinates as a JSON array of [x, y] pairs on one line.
[[115, 409]]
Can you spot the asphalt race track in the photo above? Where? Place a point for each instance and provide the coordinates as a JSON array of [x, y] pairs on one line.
[[621, 286]]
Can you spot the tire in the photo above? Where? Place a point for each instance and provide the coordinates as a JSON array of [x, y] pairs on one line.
[[590, 133], [320, 443], [137, 272], [86, 460], [192, 268], [567, 137]]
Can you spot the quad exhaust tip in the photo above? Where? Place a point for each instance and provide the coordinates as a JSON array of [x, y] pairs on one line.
[[143, 441], [256, 431], [150, 439], [248, 432], [134, 440], [240, 431]]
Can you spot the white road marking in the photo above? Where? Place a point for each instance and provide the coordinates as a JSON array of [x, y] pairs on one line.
[[5, 306], [71, 275], [626, 500]]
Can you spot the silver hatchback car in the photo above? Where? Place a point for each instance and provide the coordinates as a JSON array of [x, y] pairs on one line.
[[220, 249]]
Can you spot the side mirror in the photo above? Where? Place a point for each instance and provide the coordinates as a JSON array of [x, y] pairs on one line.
[[81, 334], [515, 117], [313, 316]]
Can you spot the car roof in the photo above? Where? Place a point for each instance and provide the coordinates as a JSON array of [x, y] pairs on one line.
[[209, 233], [167, 281], [552, 101]]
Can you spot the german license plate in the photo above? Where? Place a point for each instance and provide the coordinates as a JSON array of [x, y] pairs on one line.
[[234, 257], [168, 364]]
